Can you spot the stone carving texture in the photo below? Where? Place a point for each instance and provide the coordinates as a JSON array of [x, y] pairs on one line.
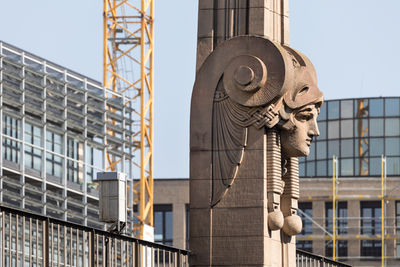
[[254, 109], [263, 92]]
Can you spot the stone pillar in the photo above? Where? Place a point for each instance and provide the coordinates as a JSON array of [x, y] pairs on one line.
[[179, 219], [318, 209], [354, 226], [220, 20], [244, 182]]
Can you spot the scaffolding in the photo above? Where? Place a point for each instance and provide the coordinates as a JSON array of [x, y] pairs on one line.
[[128, 70], [351, 228], [53, 138]]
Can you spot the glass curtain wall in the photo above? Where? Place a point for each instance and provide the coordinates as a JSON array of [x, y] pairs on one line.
[[358, 132]]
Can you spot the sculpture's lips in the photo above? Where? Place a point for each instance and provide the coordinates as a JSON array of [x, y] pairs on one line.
[[308, 142]]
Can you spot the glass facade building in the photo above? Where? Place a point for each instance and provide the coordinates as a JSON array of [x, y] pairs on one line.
[[358, 132], [58, 129]]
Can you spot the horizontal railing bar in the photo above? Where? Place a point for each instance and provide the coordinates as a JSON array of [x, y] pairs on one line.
[[309, 255], [89, 229]]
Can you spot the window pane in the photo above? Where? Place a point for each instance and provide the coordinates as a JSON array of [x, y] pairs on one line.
[[392, 107], [361, 108], [311, 168], [302, 171], [333, 148], [321, 150], [346, 167], [168, 225], [361, 127], [361, 167], [321, 168], [158, 226], [376, 146], [322, 114], [346, 128], [333, 110], [322, 131], [376, 107], [361, 147], [311, 156], [333, 129], [392, 127], [347, 148], [376, 127], [393, 165], [375, 166], [346, 109], [392, 146]]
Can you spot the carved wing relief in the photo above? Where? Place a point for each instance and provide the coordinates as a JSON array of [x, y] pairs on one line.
[[230, 122]]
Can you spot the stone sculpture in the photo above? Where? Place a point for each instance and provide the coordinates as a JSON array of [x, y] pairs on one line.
[[252, 84]]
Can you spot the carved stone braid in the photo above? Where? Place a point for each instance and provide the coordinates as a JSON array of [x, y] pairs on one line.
[[274, 181], [292, 222], [291, 179]]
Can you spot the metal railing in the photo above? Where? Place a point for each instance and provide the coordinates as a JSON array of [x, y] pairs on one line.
[[307, 259], [28, 239]]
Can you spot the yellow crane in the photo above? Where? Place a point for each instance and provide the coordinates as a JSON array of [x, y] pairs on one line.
[[128, 70]]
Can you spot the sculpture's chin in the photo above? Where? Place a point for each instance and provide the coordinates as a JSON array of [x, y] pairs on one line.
[[296, 152]]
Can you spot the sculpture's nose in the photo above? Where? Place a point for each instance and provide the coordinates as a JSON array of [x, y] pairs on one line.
[[314, 131]]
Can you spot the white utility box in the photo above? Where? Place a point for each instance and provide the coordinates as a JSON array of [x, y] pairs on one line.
[[112, 196]]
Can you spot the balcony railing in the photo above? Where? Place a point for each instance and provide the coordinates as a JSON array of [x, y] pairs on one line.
[[306, 259], [28, 239]]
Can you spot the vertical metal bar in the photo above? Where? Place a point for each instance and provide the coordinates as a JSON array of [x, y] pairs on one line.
[[97, 249], [65, 246], [37, 242], [383, 160], [83, 248], [10, 242], [77, 247], [127, 253], [58, 245], [71, 253], [3, 243], [334, 206], [163, 258], [137, 255], [45, 249], [23, 241], [52, 244], [30, 242], [16, 239], [134, 255], [104, 252], [114, 245], [91, 248], [158, 257]]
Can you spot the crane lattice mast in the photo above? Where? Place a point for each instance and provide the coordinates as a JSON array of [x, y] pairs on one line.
[[128, 70]]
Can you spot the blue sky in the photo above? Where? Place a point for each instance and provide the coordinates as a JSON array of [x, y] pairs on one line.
[[352, 43]]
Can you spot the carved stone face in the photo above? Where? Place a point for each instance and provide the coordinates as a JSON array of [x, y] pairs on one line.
[[297, 141]]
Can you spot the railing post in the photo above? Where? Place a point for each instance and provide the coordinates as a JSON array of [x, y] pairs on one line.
[[91, 248], [46, 242], [137, 256]]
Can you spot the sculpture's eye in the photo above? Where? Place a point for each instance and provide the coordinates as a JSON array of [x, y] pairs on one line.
[[304, 115]]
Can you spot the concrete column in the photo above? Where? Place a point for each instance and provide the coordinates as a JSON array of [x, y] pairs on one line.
[[390, 225], [353, 209], [318, 209], [219, 20], [179, 223]]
